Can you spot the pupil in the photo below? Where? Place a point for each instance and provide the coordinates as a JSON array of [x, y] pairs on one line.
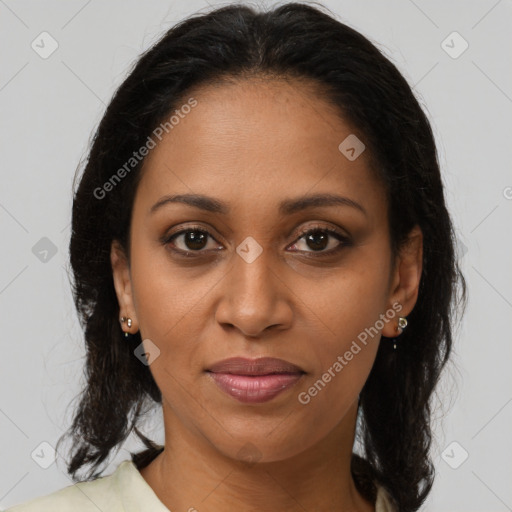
[[195, 239], [318, 239]]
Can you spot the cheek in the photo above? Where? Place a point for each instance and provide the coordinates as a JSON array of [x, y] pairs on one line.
[[172, 309], [164, 296], [350, 309], [342, 361], [349, 302]]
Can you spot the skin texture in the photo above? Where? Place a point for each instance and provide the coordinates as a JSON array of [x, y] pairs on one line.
[[251, 145]]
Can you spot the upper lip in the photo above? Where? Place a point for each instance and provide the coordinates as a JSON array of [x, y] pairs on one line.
[[260, 366]]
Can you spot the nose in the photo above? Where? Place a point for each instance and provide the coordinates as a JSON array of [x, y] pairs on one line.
[[255, 298]]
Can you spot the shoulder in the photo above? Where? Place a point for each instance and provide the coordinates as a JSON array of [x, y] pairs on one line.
[[384, 502], [90, 496]]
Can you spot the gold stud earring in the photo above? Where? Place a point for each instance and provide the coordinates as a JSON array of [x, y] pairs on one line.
[[402, 324]]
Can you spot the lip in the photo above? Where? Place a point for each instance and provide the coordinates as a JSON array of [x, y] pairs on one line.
[[260, 366], [254, 380], [254, 389]]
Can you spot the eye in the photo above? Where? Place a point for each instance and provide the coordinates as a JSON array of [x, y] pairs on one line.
[[321, 241], [317, 239], [192, 239]]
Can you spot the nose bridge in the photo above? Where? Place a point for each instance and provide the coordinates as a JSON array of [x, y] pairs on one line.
[[253, 278], [253, 296]]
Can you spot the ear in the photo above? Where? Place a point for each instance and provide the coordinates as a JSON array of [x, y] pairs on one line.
[[123, 286], [405, 280]]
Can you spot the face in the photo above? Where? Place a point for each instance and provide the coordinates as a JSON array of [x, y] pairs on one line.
[[264, 275]]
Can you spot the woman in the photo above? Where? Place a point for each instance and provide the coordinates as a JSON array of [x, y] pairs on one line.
[[260, 244]]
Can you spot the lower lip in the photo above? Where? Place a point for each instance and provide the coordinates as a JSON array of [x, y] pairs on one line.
[[254, 389]]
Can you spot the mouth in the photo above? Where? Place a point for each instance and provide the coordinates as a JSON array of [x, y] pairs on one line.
[[254, 381]]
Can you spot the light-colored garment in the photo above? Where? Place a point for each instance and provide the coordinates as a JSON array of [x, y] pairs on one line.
[[125, 490]]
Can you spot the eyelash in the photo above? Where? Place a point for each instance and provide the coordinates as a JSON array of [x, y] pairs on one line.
[[345, 241]]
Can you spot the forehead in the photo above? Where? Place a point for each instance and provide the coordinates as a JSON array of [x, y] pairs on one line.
[[255, 138]]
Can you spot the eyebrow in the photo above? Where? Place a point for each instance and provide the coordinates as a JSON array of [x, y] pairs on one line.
[[286, 207]]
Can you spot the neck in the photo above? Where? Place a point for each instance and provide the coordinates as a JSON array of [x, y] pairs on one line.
[[191, 474]]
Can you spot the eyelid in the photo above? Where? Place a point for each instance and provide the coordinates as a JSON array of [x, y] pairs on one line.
[[183, 229], [320, 227]]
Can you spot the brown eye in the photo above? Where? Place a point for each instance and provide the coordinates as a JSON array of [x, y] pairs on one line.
[[317, 240], [190, 240], [321, 240]]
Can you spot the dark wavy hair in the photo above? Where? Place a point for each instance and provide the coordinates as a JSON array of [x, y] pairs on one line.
[[296, 41]]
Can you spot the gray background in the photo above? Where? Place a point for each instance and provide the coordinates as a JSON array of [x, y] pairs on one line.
[[49, 108]]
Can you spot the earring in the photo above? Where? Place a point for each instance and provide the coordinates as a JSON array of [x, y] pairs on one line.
[[129, 323], [402, 324]]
